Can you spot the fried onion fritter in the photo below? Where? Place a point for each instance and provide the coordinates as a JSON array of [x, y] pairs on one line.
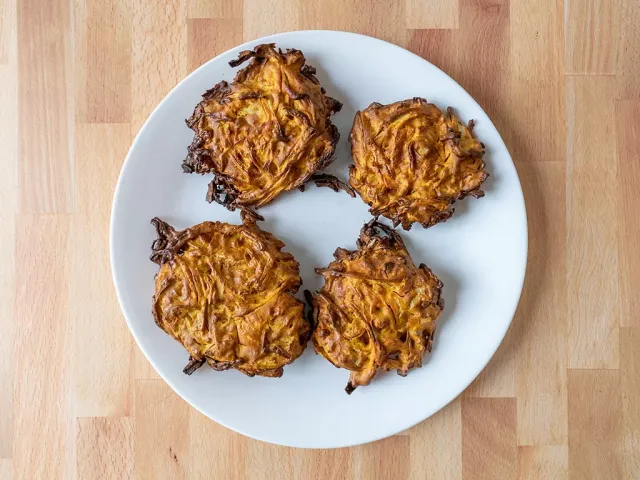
[[225, 292], [412, 161], [376, 308], [266, 132]]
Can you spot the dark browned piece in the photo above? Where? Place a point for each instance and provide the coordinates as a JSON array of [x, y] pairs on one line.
[[266, 132], [412, 162], [376, 308], [225, 292]]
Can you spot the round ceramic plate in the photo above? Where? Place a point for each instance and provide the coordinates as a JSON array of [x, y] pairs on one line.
[[480, 254]]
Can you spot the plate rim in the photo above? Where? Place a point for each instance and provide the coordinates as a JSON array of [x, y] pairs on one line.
[[273, 39]]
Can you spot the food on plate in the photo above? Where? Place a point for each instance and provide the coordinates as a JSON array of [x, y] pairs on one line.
[[412, 161], [376, 308], [225, 292], [266, 132]]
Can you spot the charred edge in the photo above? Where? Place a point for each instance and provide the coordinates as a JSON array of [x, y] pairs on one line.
[[471, 124], [308, 71], [373, 229], [429, 338], [247, 54], [222, 366], [335, 105], [332, 182], [441, 216], [220, 90], [327, 157], [350, 388], [220, 192], [198, 159], [439, 285], [308, 297], [165, 234], [193, 365], [249, 216]]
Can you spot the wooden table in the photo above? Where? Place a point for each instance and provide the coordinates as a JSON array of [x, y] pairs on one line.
[[561, 399]]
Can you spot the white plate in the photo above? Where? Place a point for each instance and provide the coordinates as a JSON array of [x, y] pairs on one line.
[[480, 254]]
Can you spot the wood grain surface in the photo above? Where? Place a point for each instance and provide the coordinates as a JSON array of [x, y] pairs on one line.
[[561, 398]]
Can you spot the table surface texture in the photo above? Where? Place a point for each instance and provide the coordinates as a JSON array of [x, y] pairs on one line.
[[560, 399]]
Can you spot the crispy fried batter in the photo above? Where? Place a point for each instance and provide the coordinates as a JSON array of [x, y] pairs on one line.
[[266, 132], [376, 308], [412, 161], [225, 292]]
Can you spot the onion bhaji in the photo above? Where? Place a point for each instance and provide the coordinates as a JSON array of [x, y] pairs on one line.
[[412, 161], [376, 308], [225, 292], [266, 132]]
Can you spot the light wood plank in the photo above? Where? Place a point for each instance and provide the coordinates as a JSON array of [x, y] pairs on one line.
[[384, 459], [440, 14], [103, 369], [628, 133], [211, 37], [537, 36], [7, 328], [591, 36], [159, 60], [435, 445], [214, 448], [628, 55], [535, 463], [539, 110], [7, 339], [161, 432], [6, 469], [43, 402], [489, 448], [337, 463], [265, 461], [44, 107], [382, 19], [535, 131], [8, 200], [215, 9], [592, 224], [103, 69], [261, 18], [439, 47], [541, 321], [536, 117], [105, 448], [630, 390], [484, 58], [8, 143], [8, 21], [594, 424]]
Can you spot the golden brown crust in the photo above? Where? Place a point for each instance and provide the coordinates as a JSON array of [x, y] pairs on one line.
[[266, 132], [412, 161], [376, 308], [225, 292]]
